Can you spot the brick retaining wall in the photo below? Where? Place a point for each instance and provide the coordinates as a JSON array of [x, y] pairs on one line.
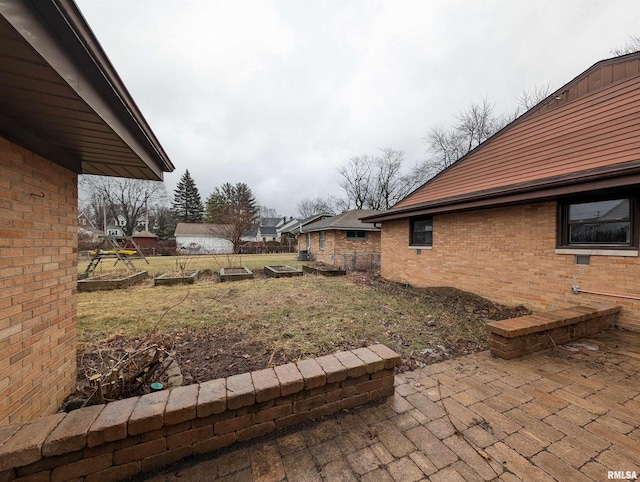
[[123, 438], [527, 334]]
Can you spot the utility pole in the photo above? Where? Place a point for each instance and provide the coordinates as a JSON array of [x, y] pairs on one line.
[[146, 211], [104, 215]]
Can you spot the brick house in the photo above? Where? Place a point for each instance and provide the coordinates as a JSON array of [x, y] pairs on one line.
[[343, 240], [63, 111], [543, 213]]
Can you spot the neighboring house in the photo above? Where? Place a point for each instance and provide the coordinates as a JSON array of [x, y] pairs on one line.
[[268, 229], [267, 233], [269, 237], [200, 238], [543, 213], [63, 111], [250, 235], [87, 229], [115, 227], [298, 228], [287, 238], [284, 229], [343, 240], [84, 222]]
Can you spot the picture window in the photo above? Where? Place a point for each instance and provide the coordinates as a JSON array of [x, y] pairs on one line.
[[604, 222]]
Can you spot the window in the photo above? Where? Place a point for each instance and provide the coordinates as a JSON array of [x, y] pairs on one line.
[[356, 235], [602, 223], [321, 240], [421, 233]]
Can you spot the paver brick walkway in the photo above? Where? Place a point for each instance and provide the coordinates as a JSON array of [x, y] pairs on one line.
[[554, 415]]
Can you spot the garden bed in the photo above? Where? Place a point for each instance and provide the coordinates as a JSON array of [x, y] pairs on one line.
[[235, 273], [176, 278], [111, 281], [324, 269], [282, 271]]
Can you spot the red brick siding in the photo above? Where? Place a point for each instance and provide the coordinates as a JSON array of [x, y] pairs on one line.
[[38, 262], [508, 255], [336, 245]]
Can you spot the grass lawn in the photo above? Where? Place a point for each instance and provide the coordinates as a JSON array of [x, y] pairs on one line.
[[219, 329], [162, 264]]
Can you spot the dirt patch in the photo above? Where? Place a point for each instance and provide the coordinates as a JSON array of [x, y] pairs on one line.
[[235, 270], [179, 274], [202, 355], [424, 325]]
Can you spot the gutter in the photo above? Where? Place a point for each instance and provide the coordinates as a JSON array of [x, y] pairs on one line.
[[618, 176]]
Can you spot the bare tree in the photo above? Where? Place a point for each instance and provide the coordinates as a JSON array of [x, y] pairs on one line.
[[527, 100], [446, 147], [234, 209], [266, 212], [632, 46], [377, 182], [474, 125], [329, 205], [530, 98], [124, 198], [356, 179]]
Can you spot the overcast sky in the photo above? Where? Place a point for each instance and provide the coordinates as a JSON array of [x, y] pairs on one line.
[[279, 94]]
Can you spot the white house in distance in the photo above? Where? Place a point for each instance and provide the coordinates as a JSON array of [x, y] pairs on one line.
[[200, 238]]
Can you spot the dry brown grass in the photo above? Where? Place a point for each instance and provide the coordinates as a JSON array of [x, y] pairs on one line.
[[304, 316], [164, 264]]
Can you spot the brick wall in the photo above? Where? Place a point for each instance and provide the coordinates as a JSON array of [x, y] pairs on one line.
[[111, 442], [38, 270], [527, 334], [508, 255], [342, 252]]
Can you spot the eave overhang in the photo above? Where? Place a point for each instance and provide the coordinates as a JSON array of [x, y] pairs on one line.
[[61, 98], [618, 176], [312, 229]]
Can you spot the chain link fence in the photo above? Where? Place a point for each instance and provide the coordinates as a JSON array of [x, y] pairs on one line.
[[355, 260]]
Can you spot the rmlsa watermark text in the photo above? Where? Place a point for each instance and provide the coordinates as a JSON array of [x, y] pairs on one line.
[[622, 474]]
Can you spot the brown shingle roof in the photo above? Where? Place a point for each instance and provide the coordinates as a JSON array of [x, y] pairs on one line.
[[349, 221], [588, 129], [200, 229]]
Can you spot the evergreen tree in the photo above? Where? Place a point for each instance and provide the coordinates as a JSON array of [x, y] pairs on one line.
[[165, 222], [187, 204], [235, 208]]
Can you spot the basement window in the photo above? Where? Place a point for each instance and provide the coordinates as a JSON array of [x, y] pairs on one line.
[[602, 223], [421, 231]]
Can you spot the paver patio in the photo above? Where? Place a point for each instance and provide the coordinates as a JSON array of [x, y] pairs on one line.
[[552, 415]]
